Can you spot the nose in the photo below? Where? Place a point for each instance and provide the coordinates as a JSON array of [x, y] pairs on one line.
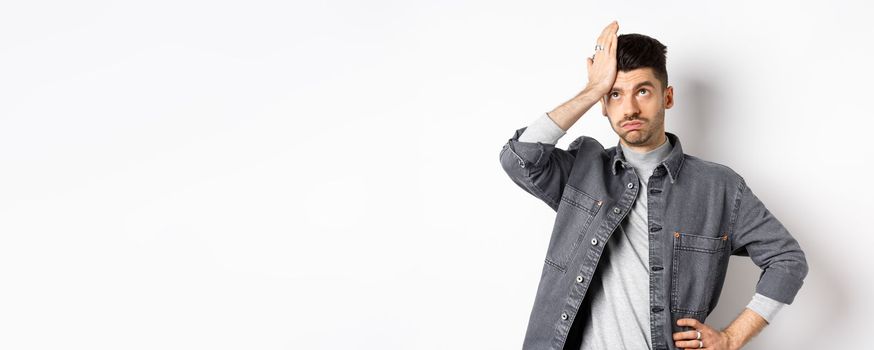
[[630, 107]]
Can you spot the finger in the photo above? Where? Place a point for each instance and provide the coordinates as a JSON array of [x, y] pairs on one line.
[[686, 335], [614, 38], [689, 322], [605, 47], [611, 27], [605, 34], [687, 344], [607, 29], [611, 30]]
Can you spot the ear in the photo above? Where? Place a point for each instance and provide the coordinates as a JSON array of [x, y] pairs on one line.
[[604, 106], [669, 97]]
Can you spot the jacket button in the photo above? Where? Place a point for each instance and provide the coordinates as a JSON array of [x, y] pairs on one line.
[[655, 228], [657, 309], [617, 210], [594, 241], [579, 279], [630, 185], [563, 316]]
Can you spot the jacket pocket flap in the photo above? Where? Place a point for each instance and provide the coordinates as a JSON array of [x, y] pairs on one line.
[[580, 199], [688, 241]]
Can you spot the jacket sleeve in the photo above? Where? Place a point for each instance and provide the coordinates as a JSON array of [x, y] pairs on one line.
[[758, 234], [541, 169]]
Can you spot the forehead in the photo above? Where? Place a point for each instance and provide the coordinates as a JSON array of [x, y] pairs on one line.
[[633, 78]]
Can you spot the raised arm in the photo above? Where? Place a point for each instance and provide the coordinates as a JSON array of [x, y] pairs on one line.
[[532, 161]]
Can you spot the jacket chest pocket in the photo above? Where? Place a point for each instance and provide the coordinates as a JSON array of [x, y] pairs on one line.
[[576, 211], [698, 270]]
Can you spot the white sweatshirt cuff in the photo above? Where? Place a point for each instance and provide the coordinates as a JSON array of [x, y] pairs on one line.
[[765, 307], [543, 130]]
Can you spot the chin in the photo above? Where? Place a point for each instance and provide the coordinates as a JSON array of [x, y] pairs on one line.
[[636, 139]]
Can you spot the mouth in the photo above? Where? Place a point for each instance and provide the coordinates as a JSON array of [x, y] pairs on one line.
[[632, 125]]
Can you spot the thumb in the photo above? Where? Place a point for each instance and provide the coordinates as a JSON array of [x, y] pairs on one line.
[[589, 62]]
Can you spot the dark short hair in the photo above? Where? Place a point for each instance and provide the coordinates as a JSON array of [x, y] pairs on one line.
[[635, 51]]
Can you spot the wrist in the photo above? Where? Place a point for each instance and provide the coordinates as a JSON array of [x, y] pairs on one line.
[[734, 342], [595, 90], [591, 95]]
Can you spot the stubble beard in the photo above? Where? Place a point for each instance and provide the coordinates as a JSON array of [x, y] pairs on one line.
[[637, 137]]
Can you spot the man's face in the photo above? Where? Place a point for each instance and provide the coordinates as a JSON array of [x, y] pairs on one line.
[[636, 108]]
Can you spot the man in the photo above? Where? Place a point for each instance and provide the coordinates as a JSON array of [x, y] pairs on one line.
[[643, 232]]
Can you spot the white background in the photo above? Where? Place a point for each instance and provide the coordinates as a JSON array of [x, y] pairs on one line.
[[325, 175]]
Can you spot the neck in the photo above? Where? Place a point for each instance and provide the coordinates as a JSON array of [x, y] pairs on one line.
[[645, 162]]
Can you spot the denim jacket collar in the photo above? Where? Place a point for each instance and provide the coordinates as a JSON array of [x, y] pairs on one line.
[[673, 162]]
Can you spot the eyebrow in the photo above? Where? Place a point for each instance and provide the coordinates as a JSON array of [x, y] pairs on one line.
[[644, 83]]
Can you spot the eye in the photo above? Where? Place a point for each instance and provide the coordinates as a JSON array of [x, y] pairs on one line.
[[614, 94], [644, 90]]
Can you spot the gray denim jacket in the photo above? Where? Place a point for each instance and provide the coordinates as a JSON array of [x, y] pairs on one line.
[[700, 213]]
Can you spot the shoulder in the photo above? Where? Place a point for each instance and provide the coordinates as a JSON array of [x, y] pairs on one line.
[[697, 167], [585, 143], [588, 148]]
